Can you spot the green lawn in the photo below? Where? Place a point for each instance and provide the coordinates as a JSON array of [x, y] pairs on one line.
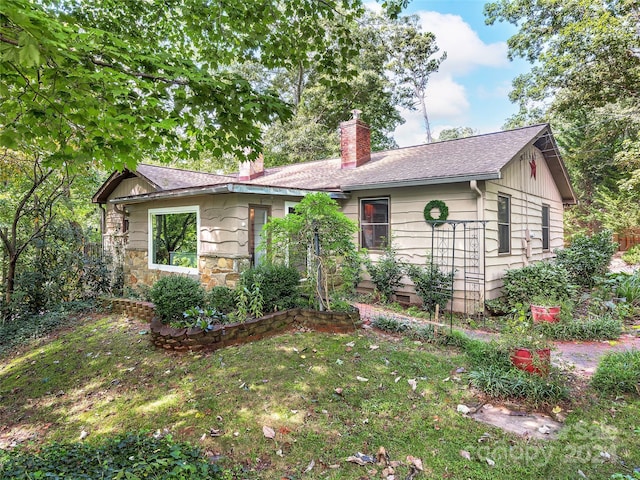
[[104, 378]]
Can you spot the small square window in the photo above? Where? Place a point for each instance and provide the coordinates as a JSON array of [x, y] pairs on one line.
[[173, 239]]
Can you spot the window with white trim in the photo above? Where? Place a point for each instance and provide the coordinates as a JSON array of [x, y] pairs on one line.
[[504, 224], [374, 223], [545, 227], [173, 238]]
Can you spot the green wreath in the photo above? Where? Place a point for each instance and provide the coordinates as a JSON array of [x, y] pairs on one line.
[[444, 212]]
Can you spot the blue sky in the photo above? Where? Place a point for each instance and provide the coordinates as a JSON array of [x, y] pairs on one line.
[[472, 86]]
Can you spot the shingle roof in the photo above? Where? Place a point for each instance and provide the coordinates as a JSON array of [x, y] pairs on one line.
[[166, 178], [479, 157]]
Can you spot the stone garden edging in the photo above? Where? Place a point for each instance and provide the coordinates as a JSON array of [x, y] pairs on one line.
[[182, 339], [223, 335]]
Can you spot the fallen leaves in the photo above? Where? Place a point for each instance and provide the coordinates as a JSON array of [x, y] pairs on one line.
[[383, 459], [268, 432]]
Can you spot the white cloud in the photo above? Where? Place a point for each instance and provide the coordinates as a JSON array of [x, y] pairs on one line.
[[447, 98], [465, 50]]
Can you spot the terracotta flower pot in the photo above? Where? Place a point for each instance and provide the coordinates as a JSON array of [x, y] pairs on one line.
[[545, 314], [538, 362]]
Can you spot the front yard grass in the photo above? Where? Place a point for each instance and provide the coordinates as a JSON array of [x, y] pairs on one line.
[[104, 378]]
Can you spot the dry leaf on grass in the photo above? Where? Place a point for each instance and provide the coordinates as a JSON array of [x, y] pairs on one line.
[[465, 454], [268, 432]]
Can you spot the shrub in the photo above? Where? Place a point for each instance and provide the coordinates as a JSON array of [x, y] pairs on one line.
[[174, 294], [603, 327], [277, 284], [632, 256], [432, 285], [618, 372], [129, 456], [24, 328], [386, 274], [588, 257], [223, 299], [521, 285]]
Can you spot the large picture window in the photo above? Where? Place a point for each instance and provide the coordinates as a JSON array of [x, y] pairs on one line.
[[504, 224], [374, 223], [173, 238], [545, 227]]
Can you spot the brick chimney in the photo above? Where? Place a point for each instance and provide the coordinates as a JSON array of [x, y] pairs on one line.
[[251, 169], [355, 142]]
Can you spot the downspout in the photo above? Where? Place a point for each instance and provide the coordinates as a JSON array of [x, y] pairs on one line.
[[103, 222], [473, 184]]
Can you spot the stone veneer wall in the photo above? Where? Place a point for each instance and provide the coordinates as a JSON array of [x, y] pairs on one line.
[[213, 270], [182, 339]]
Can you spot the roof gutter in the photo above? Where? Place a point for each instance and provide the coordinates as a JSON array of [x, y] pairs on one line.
[[426, 181], [221, 189]]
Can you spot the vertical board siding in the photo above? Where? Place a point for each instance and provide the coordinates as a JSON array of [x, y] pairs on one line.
[[527, 195]]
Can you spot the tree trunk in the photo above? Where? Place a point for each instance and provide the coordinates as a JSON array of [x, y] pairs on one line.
[[427, 127], [11, 279]]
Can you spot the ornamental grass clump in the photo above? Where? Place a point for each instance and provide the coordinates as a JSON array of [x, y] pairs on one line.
[[600, 327], [618, 372]]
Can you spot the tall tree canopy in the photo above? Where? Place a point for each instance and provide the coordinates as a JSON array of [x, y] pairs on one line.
[[108, 80], [586, 80], [311, 133]]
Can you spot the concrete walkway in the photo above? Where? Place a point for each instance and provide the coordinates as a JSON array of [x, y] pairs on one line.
[[582, 357]]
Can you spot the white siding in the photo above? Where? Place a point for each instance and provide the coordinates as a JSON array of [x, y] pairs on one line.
[[527, 195]]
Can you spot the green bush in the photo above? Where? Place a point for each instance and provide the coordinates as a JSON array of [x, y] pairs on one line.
[[432, 285], [173, 295], [547, 279], [386, 274], [277, 284], [129, 456], [588, 257], [632, 256], [618, 372], [23, 328], [513, 383], [602, 327], [223, 299]]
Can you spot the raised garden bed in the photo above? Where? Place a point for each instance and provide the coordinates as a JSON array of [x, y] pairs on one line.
[[223, 335], [195, 338]]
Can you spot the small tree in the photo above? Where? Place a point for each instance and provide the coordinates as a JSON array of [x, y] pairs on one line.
[[319, 231]]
